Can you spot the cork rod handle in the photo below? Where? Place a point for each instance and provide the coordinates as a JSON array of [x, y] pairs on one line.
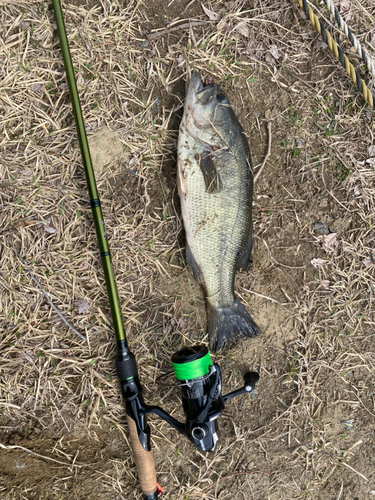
[[144, 461]]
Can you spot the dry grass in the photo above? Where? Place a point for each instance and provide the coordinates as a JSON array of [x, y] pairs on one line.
[[58, 394]]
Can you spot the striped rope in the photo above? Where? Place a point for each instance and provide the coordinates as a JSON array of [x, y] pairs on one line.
[[337, 51], [368, 61]]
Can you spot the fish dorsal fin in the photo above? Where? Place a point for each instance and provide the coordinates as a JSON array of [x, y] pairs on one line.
[[210, 172]]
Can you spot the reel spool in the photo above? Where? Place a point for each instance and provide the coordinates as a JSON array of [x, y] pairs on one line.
[[198, 383]]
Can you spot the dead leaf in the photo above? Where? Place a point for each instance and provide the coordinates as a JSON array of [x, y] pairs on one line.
[[344, 5], [274, 15], [25, 26], [243, 30], [82, 306], [299, 143], [326, 283], [274, 51], [330, 242], [50, 229], [367, 262], [180, 59], [298, 14], [371, 150], [80, 80], [269, 58], [318, 263], [319, 44], [371, 162], [37, 87], [210, 14], [345, 9], [238, 4], [230, 6], [182, 325], [372, 41], [133, 162]]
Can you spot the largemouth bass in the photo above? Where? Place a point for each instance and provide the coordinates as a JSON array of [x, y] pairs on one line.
[[215, 184]]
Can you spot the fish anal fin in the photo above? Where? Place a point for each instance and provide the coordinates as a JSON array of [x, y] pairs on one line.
[[244, 260], [192, 264], [210, 172]]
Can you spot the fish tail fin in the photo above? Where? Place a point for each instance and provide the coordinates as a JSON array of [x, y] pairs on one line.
[[226, 323]]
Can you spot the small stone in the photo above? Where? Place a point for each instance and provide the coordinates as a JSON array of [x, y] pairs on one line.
[[20, 465], [318, 263], [254, 394], [321, 228], [367, 262], [82, 306], [347, 424], [50, 229], [274, 51], [145, 43]]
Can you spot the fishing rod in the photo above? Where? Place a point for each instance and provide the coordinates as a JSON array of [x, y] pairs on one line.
[[126, 365], [198, 379]]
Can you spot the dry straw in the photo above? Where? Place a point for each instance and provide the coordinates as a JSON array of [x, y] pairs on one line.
[[315, 355]]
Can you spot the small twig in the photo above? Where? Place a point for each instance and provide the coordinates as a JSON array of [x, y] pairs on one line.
[[268, 152], [45, 293], [351, 468], [262, 296], [352, 447], [279, 263], [176, 28], [41, 456], [341, 490]]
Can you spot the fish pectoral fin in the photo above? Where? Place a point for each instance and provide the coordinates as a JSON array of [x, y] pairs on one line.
[[210, 172], [193, 266]]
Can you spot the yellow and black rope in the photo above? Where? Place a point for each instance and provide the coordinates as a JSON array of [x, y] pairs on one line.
[[338, 52]]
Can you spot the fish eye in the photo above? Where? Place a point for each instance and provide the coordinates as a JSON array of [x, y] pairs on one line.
[[222, 98]]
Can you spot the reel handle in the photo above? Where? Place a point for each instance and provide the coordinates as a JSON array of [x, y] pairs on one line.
[[250, 378]]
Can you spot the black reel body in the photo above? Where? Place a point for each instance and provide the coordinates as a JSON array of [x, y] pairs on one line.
[[200, 387]]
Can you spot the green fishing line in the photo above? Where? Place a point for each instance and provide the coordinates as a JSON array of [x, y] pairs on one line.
[[193, 369]]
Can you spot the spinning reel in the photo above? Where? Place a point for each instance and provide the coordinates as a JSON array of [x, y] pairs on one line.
[[200, 386]]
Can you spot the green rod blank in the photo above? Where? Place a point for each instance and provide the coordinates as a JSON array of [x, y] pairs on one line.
[[90, 177]]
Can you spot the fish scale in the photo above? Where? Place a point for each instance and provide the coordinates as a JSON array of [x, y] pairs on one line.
[[215, 187]]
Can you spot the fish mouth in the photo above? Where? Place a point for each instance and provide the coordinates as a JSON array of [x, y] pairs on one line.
[[202, 85], [200, 90]]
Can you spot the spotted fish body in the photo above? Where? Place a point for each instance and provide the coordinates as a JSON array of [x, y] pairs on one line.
[[215, 184]]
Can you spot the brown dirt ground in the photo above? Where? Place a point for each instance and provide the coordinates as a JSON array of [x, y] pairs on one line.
[[315, 354]]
